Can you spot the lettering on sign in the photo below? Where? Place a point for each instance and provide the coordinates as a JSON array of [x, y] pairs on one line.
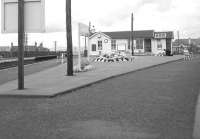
[[160, 35]]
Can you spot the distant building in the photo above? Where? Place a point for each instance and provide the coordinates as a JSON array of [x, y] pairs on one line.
[[179, 45], [145, 41], [178, 49], [42, 49], [31, 48], [4, 48], [26, 48]]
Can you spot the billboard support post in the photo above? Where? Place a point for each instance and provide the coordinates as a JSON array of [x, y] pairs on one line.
[[20, 44], [69, 39]]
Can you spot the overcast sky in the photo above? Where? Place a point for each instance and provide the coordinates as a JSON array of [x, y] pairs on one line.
[[183, 15], [115, 15]]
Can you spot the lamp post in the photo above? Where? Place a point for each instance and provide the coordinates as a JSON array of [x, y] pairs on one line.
[[132, 41], [69, 39]]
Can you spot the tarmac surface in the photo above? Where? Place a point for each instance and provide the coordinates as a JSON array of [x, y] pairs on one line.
[[156, 103]]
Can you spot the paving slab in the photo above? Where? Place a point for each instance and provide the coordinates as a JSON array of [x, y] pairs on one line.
[[53, 82]]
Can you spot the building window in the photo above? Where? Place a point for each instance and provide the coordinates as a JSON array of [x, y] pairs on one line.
[[94, 47], [139, 44], [100, 45], [113, 45], [159, 44]]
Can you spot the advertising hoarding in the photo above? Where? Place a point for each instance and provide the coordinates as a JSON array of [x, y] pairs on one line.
[[34, 16]]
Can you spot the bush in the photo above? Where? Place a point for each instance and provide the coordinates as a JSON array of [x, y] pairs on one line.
[[84, 62], [168, 53]]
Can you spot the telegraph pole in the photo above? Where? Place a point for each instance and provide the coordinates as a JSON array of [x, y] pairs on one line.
[[132, 41], [178, 37], [69, 39], [88, 45], [21, 44], [55, 46]]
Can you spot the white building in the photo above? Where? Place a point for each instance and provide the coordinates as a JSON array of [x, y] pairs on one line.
[[146, 41]]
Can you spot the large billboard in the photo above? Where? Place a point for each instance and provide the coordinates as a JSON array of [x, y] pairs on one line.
[[34, 16], [83, 29]]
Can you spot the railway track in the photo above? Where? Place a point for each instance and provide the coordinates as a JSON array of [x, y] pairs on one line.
[[5, 64]]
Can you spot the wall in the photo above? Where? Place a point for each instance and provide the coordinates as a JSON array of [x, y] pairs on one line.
[[122, 42], [154, 43], [106, 46], [138, 50]]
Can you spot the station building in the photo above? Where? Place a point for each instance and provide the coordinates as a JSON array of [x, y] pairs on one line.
[[145, 42]]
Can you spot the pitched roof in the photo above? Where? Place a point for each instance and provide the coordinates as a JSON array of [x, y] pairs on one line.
[[126, 34], [96, 33]]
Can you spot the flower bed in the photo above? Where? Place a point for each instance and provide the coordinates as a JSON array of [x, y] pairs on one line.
[[113, 58]]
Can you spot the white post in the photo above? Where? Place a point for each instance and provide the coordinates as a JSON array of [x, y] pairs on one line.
[[143, 46], [79, 48], [88, 44], [62, 58], [88, 49]]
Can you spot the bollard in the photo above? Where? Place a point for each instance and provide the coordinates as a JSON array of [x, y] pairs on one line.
[[62, 58]]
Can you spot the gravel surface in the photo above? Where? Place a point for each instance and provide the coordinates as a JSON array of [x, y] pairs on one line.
[[158, 103]]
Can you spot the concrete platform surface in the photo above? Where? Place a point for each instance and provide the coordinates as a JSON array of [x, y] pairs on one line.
[[53, 81]]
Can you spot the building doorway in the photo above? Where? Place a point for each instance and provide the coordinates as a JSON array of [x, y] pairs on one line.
[[147, 45], [168, 44]]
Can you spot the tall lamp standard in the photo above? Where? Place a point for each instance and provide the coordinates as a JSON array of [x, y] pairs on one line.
[[132, 41], [69, 39]]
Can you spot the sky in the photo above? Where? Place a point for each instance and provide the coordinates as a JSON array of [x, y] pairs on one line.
[[115, 15]]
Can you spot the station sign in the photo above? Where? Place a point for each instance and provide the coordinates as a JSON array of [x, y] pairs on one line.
[[34, 16], [160, 35], [83, 29]]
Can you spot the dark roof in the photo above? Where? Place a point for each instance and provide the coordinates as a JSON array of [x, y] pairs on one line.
[[126, 34]]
